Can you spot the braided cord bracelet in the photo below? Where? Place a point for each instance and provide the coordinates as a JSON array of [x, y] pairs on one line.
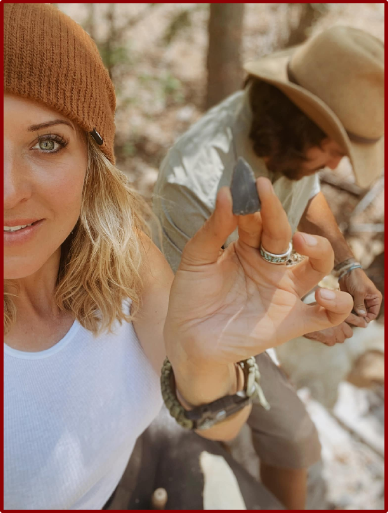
[[205, 416], [349, 269], [345, 263]]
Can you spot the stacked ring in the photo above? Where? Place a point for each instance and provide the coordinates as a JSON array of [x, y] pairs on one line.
[[272, 258]]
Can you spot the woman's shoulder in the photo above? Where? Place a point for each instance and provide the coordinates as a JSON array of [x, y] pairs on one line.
[[155, 271]]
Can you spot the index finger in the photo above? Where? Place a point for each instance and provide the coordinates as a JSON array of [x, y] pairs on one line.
[[355, 320], [373, 305]]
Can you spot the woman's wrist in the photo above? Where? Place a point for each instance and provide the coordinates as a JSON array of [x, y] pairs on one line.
[[201, 385]]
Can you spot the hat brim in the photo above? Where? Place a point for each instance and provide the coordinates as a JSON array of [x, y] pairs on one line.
[[367, 159]]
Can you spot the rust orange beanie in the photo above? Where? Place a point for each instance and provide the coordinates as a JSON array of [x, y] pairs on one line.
[[49, 58]]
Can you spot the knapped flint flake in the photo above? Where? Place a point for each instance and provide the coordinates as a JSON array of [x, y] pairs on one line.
[[243, 189]]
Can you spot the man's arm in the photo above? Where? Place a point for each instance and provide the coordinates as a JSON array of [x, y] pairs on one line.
[[179, 206], [318, 219]]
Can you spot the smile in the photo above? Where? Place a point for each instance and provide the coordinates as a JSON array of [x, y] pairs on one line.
[[22, 232], [16, 228]]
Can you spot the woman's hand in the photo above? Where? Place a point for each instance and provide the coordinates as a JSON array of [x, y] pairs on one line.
[[228, 305]]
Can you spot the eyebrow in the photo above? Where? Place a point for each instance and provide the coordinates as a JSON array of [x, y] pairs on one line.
[[34, 128]]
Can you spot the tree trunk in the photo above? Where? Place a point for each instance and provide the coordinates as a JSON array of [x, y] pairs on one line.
[[224, 72], [90, 25], [110, 42], [309, 14]]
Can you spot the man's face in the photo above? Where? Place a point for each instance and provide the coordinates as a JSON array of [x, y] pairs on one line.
[[329, 154]]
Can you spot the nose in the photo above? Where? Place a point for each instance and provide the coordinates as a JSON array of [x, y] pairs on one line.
[[333, 162], [17, 186]]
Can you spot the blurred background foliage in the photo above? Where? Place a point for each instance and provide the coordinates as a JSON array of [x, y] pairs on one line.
[[170, 62]]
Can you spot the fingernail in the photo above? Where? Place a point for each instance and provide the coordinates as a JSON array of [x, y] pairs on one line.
[[266, 185], [361, 311], [327, 294], [309, 239]]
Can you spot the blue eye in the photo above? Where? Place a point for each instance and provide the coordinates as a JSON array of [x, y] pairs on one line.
[[50, 144]]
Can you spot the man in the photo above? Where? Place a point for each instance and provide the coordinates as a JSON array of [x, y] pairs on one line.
[[301, 110]]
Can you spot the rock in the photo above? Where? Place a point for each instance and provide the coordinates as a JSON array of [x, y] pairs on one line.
[[353, 410], [221, 488], [368, 370], [321, 368], [353, 470], [243, 189]]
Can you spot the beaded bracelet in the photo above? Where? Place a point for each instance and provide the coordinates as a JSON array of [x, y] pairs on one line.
[[345, 263], [206, 416], [348, 270], [339, 269]]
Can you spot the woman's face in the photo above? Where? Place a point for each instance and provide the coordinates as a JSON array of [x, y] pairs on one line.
[[45, 160]]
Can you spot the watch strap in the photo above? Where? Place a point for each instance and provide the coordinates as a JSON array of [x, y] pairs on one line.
[[207, 415]]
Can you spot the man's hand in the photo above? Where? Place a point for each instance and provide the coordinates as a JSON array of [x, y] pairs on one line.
[[367, 298], [332, 336], [338, 334]]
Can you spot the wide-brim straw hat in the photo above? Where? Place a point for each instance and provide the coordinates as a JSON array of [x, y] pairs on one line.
[[337, 79]]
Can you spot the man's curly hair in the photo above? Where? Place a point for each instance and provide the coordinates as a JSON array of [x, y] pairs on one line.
[[280, 130]]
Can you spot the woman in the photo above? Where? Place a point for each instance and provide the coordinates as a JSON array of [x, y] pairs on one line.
[[91, 306]]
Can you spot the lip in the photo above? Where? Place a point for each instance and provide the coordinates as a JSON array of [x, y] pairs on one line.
[[25, 234], [20, 222]]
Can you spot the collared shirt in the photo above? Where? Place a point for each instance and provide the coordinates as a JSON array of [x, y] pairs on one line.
[[202, 161]]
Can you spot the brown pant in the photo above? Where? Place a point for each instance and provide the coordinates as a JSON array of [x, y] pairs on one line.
[[283, 436]]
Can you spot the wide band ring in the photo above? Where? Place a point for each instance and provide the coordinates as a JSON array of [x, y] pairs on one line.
[[272, 258]]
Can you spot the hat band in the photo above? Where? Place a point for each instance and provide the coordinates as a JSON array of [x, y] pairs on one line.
[[353, 137]]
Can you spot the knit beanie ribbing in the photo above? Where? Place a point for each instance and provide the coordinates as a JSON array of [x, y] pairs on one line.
[[49, 58]]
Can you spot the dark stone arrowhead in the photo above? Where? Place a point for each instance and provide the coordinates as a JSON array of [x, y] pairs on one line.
[[243, 189]]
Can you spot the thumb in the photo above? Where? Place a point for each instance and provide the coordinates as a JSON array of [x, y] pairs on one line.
[[359, 305], [204, 247], [332, 308]]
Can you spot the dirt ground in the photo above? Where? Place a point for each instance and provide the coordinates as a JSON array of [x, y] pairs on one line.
[[161, 88]]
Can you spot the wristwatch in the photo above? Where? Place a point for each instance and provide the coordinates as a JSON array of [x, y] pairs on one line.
[[207, 415]]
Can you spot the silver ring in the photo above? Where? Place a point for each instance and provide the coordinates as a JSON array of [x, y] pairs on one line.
[[272, 258]]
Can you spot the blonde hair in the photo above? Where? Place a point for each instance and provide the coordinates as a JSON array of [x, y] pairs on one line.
[[101, 259]]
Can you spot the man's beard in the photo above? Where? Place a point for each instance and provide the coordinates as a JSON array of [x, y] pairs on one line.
[[292, 174], [290, 171], [294, 171]]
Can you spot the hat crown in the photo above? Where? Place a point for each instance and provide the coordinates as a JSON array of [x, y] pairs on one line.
[[344, 67]]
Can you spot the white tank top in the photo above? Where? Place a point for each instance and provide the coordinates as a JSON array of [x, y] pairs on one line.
[[72, 415]]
